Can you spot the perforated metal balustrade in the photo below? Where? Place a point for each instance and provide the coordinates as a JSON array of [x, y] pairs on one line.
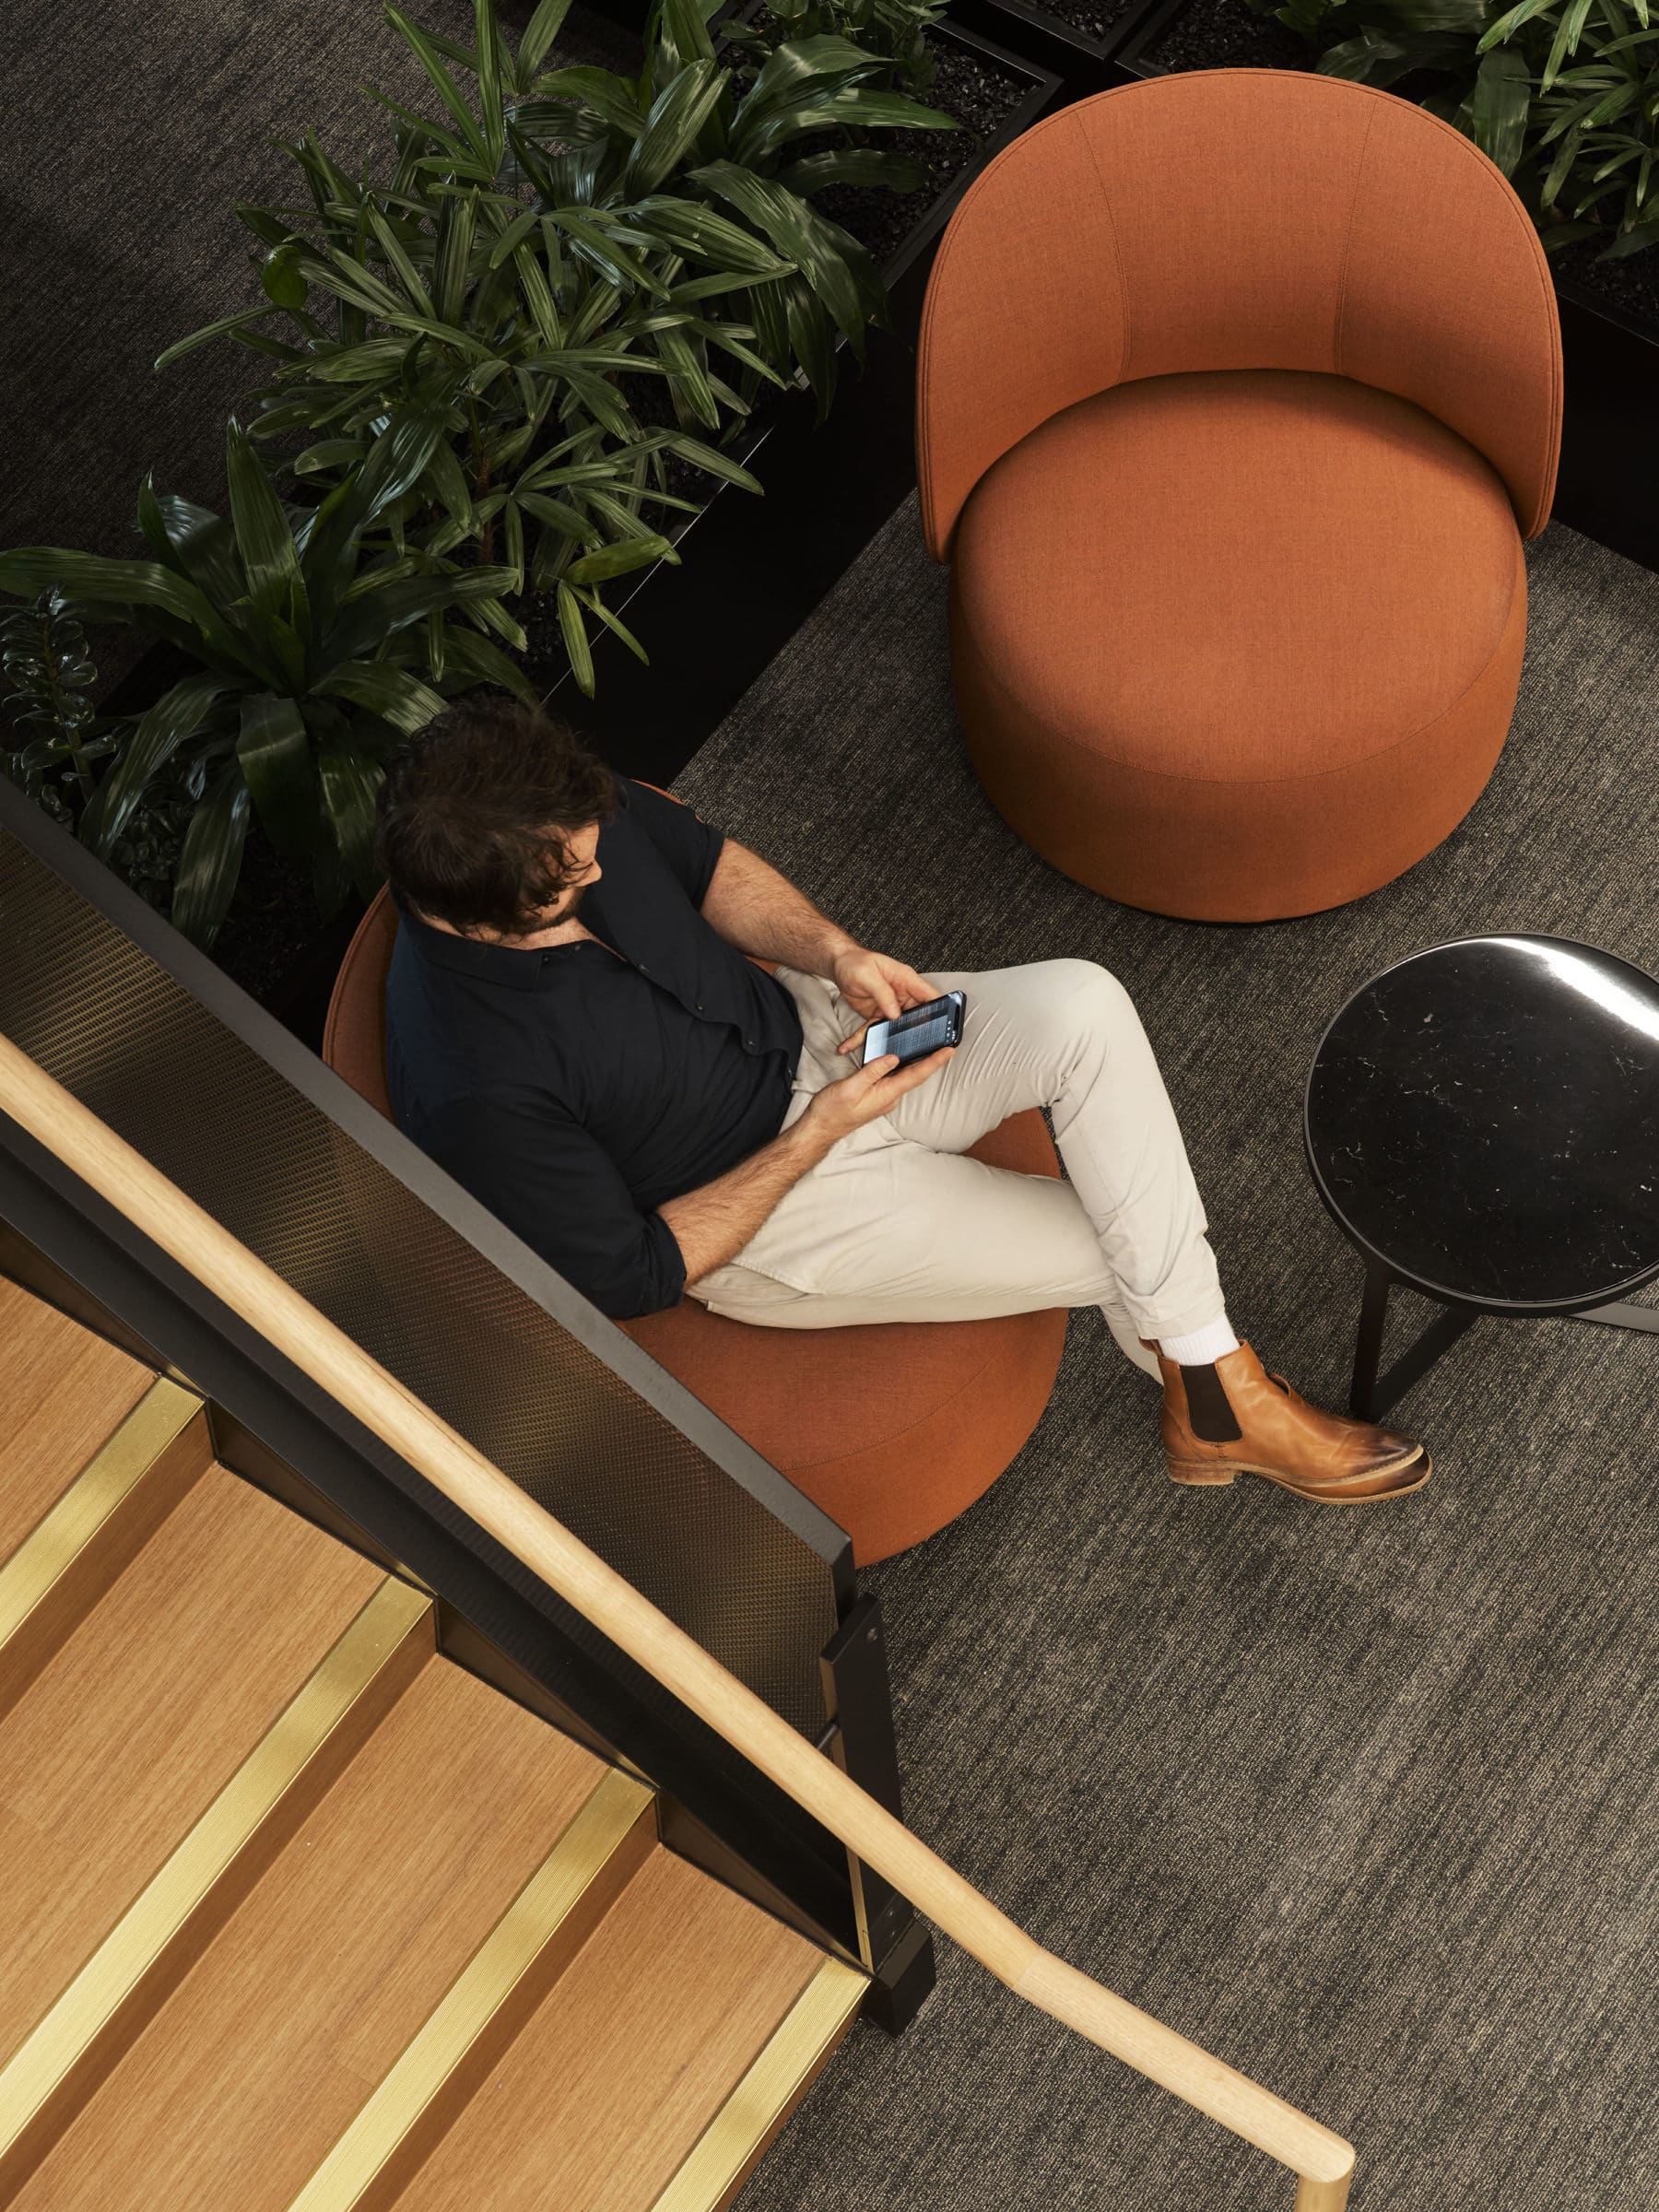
[[176, 1082]]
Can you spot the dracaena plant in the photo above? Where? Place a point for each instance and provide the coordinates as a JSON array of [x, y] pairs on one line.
[[311, 663], [1562, 94], [896, 29], [545, 247]]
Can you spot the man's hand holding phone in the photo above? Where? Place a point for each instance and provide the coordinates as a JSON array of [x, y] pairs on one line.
[[869, 1092]]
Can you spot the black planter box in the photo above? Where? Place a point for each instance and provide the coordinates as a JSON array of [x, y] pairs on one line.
[[1609, 482]]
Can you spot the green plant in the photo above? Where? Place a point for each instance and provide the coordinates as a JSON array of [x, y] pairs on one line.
[[1562, 94], [49, 675], [45, 660], [895, 29], [311, 663], [547, 248]]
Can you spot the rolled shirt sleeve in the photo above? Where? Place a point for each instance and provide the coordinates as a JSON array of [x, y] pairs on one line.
[[539, 1170], [689, 845]]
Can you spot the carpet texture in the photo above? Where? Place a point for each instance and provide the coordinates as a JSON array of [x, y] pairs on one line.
[[131, 134], [1366, 1802]]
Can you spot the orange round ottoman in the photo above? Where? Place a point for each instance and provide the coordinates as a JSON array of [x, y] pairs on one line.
[[892, 1430], [1238, 394]]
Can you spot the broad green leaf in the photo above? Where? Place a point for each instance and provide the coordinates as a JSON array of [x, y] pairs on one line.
[[422, 46], [490, 69], [457, 223], [574, 634], [541, 30], [857, 165], [283, 276], [392, 246], [264, 538], [393, 693], [615, 624], [673, 126], [274, 749], [241, 320], [469, 654], [1501, 103], [365, 625], [30, 569], [621, 559], [177, 716], [798, 233], [210, 861], [351, 779]]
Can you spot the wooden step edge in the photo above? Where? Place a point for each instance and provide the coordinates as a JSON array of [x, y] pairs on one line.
[[469, 2031], [776, 2079], [168, 1926], [95, 1530]]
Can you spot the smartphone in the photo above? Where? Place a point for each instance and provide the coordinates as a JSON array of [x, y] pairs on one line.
[[918, 1031]]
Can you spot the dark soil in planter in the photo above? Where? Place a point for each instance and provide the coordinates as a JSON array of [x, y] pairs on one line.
[[272, 920], [1087, 18], [1630, 283], [1228, 34]]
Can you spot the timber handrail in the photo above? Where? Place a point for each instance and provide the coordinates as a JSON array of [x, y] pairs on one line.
[[160, 1211]]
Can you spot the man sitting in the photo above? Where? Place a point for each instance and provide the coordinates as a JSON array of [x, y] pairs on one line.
[[577, 1031]]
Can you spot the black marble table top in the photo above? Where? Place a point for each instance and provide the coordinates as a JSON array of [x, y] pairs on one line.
[[1484, 1117]]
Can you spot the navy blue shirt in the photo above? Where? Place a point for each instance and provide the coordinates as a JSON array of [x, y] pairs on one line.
[[575, 1090]]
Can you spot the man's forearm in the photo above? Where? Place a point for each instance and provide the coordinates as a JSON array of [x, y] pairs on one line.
[[764, 914], [712, 1225]]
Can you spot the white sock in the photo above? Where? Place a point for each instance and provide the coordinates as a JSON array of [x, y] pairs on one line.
[[1201, 1347]]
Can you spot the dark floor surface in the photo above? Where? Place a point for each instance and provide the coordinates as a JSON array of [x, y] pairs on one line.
[[1368, 1802], [131, 134]]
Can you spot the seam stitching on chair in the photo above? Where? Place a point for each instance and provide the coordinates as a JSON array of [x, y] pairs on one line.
[[1347, 244], [1127, 335], [1320, 775]]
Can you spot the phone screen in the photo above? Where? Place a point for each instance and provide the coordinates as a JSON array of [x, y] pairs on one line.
[[918, 1031]]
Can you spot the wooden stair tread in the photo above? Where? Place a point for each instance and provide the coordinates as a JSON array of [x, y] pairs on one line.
[[627, 2059], [64, 1391], [265, 2051], [110, 1757]]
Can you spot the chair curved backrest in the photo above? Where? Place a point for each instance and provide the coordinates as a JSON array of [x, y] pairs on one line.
[[1238, 218], [354, 1036]]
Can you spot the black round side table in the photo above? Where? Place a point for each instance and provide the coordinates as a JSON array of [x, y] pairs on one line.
[[1482, 1121]]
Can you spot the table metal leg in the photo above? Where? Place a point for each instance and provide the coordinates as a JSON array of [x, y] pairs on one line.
[[1373, 1319], [1621, 1314], [1370, 1398]]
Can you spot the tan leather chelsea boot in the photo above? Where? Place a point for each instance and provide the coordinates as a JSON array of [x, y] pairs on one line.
[[1236, 1418]]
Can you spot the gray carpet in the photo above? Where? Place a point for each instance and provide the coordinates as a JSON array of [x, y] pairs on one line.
[[1366, 1802], [132, 131]]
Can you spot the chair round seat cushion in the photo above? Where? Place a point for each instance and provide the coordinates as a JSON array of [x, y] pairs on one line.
[[892, 1428], [1237, 646]]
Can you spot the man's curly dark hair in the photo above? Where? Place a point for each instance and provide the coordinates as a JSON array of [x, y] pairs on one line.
[[476, 811]]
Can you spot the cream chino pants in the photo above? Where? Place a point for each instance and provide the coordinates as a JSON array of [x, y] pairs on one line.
[[897, 1224]]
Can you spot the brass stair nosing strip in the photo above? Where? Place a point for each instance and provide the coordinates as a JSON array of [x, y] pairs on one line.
[[474, 2023], [105, 2006], [123, 1485], [771, 2086]]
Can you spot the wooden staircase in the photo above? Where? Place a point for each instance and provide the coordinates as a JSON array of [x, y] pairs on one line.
[[298, 1915]]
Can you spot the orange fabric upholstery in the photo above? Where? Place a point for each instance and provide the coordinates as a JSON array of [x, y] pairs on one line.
[[1230, 726], [892, 1430], [1237, 393], [1238, 218]]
